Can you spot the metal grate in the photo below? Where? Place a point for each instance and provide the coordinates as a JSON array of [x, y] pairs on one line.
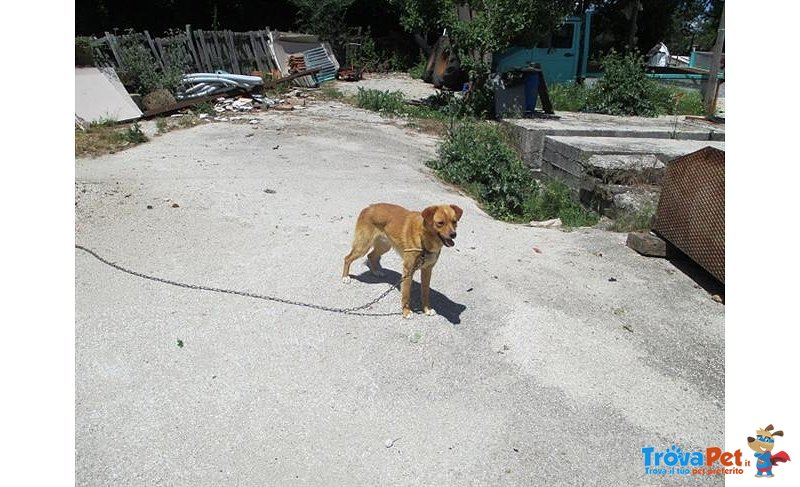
[[691, 209], [318, 58]]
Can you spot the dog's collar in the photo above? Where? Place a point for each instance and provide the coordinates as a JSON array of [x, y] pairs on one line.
[[415, 249]]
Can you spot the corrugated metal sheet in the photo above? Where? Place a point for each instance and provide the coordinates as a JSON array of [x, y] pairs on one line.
[[319, 58], [691, 209]]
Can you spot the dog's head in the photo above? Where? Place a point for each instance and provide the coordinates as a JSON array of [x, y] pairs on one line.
[[442, 220], [764, 440]]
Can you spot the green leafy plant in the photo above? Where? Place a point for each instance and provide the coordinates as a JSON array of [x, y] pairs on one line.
[[624, 88], [132, 135], [388, 102], [554, 199], [568, 97], [140, 70], [416, 71], [477, 156]]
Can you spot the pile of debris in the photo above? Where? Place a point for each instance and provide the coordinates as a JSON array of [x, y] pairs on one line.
[[198, 85], [281, 57]]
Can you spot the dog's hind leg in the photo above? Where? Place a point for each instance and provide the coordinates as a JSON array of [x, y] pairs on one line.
[[379, 247], [361, 244]]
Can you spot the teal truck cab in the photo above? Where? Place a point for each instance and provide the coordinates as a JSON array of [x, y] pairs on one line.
[[563, 55]]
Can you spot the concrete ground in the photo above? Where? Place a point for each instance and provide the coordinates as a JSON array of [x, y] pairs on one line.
[[555, 358], [410, 87]]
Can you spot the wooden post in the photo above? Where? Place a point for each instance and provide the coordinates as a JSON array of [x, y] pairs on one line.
[[190, 42], [710, 95], [112, 43], [153, 48]]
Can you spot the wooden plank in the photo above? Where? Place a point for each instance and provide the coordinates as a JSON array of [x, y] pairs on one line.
[[160, 45], [153, 48], [271, 63], [299, 74], [232, 52], [112, 43], [260, 65], [187, 103], [647, 244], [190, 43], [215, 37], [201, 43]]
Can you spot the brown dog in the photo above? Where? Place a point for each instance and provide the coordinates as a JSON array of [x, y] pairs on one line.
[[417, 236]]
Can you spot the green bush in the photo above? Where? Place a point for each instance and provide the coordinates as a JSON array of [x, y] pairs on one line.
[[132, 135], [84, 55], [388, 102], [553, 199], [143, 74], [568, 97], [624, 88], [416, 71], [477, 156]]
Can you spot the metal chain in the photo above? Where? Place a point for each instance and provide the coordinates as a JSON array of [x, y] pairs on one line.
[[356, 310]]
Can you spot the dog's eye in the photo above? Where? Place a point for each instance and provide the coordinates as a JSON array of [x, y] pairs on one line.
[[439, 224]]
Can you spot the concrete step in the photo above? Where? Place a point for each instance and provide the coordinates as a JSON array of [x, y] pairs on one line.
[[529, 133], [570, 158], [616, 176]]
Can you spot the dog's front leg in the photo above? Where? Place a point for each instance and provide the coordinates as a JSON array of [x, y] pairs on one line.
[[405, 286], [426, 291]]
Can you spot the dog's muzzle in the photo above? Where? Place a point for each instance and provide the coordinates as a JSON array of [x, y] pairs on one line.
[[448, 242]]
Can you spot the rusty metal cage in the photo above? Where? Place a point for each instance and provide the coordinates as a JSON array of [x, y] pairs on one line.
[[691, 209]]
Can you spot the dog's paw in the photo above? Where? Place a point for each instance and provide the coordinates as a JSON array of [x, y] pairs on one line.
[[407, 313], [430, 312], [346, 279]]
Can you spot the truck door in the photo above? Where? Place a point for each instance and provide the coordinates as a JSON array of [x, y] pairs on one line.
[[558, 53]]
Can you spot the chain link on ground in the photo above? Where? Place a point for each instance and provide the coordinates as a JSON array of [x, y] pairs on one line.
[[355, 311]]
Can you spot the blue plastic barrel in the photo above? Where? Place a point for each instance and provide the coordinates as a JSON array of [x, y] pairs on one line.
[[531, 90]]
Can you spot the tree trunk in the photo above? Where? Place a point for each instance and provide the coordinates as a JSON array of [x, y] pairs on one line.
[[710, 97], [634, 26]]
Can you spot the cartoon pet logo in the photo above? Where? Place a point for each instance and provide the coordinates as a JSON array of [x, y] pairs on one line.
[[763, 444]]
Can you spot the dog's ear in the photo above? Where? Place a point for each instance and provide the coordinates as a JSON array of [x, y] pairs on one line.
[[427, 215], [458, 211], [769, 428], [778, 433]]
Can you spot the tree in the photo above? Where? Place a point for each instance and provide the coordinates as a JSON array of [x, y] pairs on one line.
[[493, 26], [640, 24]]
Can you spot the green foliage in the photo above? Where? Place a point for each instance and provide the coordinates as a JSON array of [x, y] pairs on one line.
[[478, 157], [84, 55], [624, 88], [494, 25], [416, 71], [568, 97], [141, 71], [204, 107], [132, 135], [554, 199], [387, 102], [657, 98]]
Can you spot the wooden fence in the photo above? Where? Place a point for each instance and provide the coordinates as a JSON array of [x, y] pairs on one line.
[[195, 50]]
